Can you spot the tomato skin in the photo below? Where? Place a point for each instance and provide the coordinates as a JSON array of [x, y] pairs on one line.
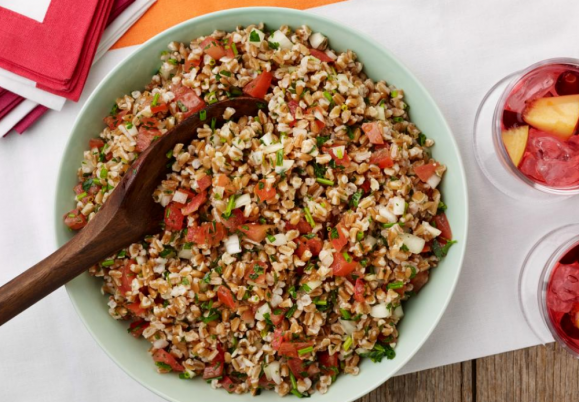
[[190, 64], [227, 384], [265, 383], [216, 368], [114, 121], [174, 217], [314, 245], [277, 319], [162, 108], [278, 338], [96, 143], [419, 280], [382, 158], [359, 290], [366, 187], [127, 278], [424, 172], [207, 234], [196, 202], [187, 98], [341, 241], [344, 161], [255, 231], [204, 183], [224, 181], [145, 137], [137, 328], [321, 56], [235, 220], [136, 308], [328, 363], [226, 297], [443, 225], [341, 267], [250, 274], [258, 87], [297, 367], [162, 356], [213, 48], [75, 220], [303, 226], [373, 132], [266, 193], [290, 349]]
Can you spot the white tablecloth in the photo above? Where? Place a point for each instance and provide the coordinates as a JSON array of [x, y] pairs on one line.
[[458, 49]]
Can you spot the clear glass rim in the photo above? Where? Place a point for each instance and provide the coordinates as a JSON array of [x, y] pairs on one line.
[[497, 117], [542, 289]]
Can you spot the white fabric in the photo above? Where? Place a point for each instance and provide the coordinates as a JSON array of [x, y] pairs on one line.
[[15, 115], [35, 9], [458, 49], [27, 88]]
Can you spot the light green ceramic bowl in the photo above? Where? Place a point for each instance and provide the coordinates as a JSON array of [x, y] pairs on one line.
[[422, 312]]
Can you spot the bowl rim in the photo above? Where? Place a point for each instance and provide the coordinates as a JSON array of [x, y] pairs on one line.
[[444, 300]]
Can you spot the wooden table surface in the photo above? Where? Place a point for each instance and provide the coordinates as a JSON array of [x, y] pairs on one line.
[[538, 374]]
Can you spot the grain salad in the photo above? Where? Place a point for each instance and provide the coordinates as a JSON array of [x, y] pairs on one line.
[[290, 238]]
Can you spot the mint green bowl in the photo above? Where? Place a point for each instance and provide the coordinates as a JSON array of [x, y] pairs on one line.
[[422, 312]]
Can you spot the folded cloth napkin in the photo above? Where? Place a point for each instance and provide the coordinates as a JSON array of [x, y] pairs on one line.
[[30, 118], [118, 7], [60, 55], [8, 101]]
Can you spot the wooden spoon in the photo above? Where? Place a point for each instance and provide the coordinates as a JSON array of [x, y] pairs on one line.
[[128, 215]]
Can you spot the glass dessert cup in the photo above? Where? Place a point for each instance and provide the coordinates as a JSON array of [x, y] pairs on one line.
[[549, 288], [520, 138]]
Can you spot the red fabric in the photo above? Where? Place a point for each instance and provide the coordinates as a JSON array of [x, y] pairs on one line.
[[8, 101], [30, 119], [58, 52], [118, 7]]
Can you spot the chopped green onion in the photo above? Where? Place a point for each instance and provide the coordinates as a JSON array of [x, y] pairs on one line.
[[122, 254], [345, 314], [291, 311], [163, 366], [348, 343], [309, 217], [306, 288], [325, 181], [279, 158], [182, 107], [293, 381], [297, 393], [184, 376], [129, 126], [356, 197], [81, 196], [169, 154], [107, 263], [103, 174], [347, 256], [155, 99], [173, 61], [234, 49], [271, 238], [328, 96], [395, 285], [230, 205], [273, 45], [389, 225], [421, 139], [225, 73], [212, 317], [203, 115], [359, 236], [254, 37], [305, 351], [394, 94]]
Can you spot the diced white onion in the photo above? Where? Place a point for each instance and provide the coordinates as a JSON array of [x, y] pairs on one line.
[[381, 115], [160, 344], [399, 312], [186, 254], [280, 240], [339, 151], [287, 164], [165, 199], [279, 37], [264, 309], [87, 166], [370, 241], [349, 326], [385, 212], [331, 54], [267, 139], [260, 34], [242, 201], [414, 244], [314, 284], [180, 197], [257, 157], [380, 311], [433, 181], [272, 372], [232, 244], [431, 229], [398, 205], [317, 39], [272, 148]]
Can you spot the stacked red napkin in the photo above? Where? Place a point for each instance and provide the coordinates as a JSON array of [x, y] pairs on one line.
[[58, 52]]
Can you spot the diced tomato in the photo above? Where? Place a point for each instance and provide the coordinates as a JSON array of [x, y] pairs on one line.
[[227, 384], [78, 189], [374, 132], [321, 56], [303, 226], [190, 194], [209, 233], [425, 171], [341, 267], [290, 349], [344, 161], [173, 216], [382, 158], [195, 203], [235, 220], [162, 108], [213, 48], [190, 64], [293, 106], [75, 219], [419, 280], [366, 186], [204, 182], [360, 290], [136, 309], [278, 338], [329, 363], [427, 247], [215, 369], [258, 87], [264, 190], [255, 231], [137, 327], [251, 273], [226, 297], [145, 137], [114, 121], [187, 100], [443, 225], [277, 319], [298, 367], [96, 143], [314, 245], [341, 241], [265, 383], [127, 277], [224, 181], [162, 356]]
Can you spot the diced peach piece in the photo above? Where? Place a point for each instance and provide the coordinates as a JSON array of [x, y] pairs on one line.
[[515, 140], [556, 115]]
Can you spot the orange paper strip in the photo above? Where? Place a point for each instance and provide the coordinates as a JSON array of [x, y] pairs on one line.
[[167, 13]]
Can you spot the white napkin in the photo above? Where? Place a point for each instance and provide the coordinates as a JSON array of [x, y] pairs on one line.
[[458, 49]]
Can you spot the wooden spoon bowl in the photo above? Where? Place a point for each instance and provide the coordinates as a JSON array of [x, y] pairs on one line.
[[129, 214]]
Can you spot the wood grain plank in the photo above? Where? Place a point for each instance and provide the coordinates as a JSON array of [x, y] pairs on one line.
[[539, 374], [451, 383]]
